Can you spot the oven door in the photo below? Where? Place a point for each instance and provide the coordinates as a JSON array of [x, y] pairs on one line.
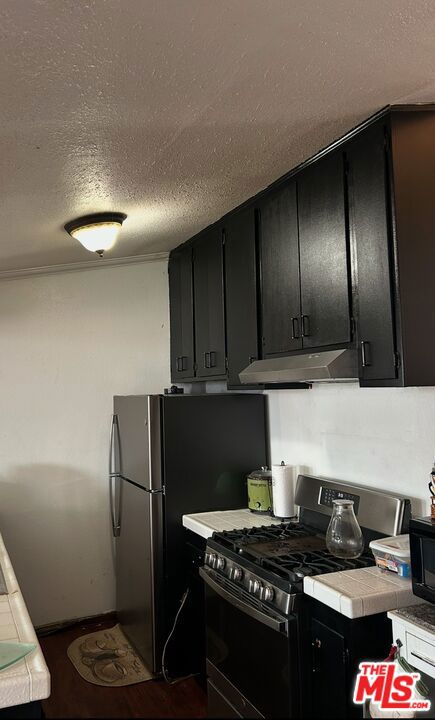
[[252, 654]]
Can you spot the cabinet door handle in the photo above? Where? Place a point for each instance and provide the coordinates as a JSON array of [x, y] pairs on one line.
[[365, 357], [207, 360], [305, 323], [178, 364], [212, 359], [295, 328], [316, 644], [183, 364]]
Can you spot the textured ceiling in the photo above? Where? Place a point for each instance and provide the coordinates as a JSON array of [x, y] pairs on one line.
[[175, 111]]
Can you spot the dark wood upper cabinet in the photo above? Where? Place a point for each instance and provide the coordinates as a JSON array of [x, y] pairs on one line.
[[370, 223], [181, 314], [209, 304], [346, 258], [323, 248], [281, 308], [305, 261], [413, 180], [241, 292], [392, 220]]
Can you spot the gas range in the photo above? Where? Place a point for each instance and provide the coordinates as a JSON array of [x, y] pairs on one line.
[[254, 599], [270, 563]]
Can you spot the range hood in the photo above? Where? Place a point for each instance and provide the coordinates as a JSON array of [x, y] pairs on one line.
[[327, 366]]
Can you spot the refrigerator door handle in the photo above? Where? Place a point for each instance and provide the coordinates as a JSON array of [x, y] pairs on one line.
[[151, 491], [116, 525], [114, 490]]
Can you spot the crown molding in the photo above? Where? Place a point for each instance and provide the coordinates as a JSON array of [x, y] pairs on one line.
[[99, 264]]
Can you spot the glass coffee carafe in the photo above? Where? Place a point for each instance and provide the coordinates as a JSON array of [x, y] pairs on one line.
[[344, 538]]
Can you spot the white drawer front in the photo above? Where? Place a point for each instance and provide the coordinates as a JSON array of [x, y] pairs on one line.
[[420, 654]]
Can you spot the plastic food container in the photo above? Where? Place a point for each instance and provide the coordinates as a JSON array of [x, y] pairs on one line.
[[392, 553]]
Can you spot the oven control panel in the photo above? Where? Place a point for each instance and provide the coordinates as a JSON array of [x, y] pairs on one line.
[[327, 495], [247, 580]]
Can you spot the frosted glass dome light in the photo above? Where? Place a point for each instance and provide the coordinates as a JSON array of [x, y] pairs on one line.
[[98, 232]]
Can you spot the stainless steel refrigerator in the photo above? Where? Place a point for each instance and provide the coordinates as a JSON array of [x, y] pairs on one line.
[[172, 455]]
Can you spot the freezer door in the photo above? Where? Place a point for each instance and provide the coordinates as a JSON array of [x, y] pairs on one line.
[[139, 555], [138, 421]]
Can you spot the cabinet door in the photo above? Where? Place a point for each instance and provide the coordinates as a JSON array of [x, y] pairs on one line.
[[209, 305], [241, 292], [280, 272], [369, 223], [325, 281], [329, 689], [181, 314]]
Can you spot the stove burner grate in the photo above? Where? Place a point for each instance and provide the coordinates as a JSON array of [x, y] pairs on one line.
[[289, 551], [295, 566], [238, 539]]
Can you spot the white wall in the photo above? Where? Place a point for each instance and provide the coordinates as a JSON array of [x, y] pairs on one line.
[[373, 436], [68, 343]]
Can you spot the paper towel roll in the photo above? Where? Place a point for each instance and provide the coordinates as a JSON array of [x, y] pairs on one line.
[[283, 490]]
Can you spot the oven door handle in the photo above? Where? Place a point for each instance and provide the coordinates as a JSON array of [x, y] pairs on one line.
[[273, 623]]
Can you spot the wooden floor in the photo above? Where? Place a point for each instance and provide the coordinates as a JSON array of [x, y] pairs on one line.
[[73, 697]]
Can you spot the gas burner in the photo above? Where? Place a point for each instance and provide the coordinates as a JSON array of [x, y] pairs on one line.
[[302, 572]]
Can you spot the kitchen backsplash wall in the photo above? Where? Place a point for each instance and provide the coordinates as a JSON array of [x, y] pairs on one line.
[[377, 437], [68, 343]]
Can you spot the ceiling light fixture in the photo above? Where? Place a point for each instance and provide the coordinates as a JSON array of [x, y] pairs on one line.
[[97, 232]]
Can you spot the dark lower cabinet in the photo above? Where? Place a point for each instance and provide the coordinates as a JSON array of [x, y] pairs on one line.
[[330, 670], [370, 222], [241, 292], [338, 645], [281, 306], [324, 258], [181, 314], [209, 305]]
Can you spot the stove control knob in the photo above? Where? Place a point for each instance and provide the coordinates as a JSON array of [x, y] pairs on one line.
[[238, 574], [210, 559], [235, 573], [267, 593], [257, 587], [219, 563]]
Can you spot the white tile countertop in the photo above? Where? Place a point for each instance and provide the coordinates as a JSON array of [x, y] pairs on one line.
[[206, 523], [366, 591], [28, 679]]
